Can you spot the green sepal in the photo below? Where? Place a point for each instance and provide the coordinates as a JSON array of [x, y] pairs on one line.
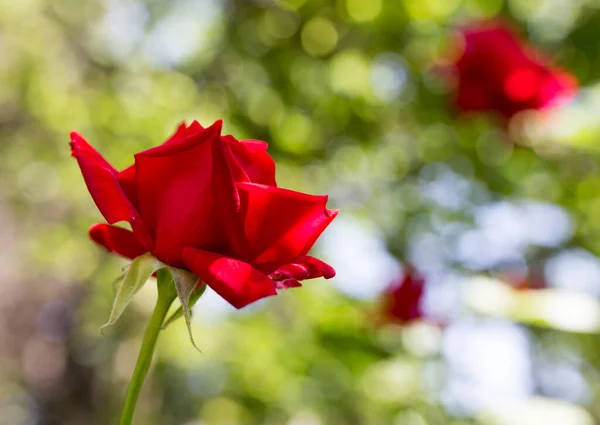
[[134, 277], [186, 284], [178, 314]]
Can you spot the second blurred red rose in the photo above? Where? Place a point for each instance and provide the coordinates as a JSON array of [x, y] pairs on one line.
[[497, 71], [401, 301]]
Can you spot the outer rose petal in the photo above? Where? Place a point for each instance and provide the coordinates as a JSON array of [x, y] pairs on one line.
[[307, 267], [186, 192], [184, 131], [252, 157], [128, 181], [301, 268], [116, 239], [287, 283], [236, 281], [281, 224], [102, 181]]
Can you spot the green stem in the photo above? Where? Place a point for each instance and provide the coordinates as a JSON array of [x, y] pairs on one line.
[[166, 294]]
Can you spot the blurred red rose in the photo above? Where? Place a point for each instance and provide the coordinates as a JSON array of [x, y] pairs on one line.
[[497, 71], [533, 279], [401, 301], [209, 203]]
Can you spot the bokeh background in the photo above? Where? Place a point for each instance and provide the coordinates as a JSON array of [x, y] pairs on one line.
[[349, 96]]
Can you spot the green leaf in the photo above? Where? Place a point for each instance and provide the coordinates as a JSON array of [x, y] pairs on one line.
[[178, 314], [136, 274], [185, 283], [117, 282]]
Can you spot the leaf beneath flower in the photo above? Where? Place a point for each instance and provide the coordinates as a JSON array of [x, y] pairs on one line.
[[134, 278], [185, 283]]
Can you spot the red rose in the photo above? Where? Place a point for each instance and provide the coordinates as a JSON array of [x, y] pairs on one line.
[[402, 299], [209, 204], [532, 280], [496, 71]]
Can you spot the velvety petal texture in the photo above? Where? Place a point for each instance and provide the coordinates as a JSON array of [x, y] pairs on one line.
[[304, 267], [105, 185], [236, 281], [102, 181], [210, 204], [178, 194], [281, 224], [496, 71], [118, 240], [252, 159]]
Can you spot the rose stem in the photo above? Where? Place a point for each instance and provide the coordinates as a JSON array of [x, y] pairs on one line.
[[166, 294]]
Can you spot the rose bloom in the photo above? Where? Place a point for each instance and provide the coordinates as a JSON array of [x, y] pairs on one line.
[[401, 301], [497, 71], [209, 204], [532, 280]]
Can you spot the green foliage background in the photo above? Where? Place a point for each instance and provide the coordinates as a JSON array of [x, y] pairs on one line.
[[312, 78]]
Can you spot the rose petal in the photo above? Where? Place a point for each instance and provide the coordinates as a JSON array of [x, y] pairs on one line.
[[187, 195], [305, 267], [116, 239], [252, 158], [128, 182], [184, 131], [102, 181], [287, 283], [294, 271], [281, 224], [236, 281]]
